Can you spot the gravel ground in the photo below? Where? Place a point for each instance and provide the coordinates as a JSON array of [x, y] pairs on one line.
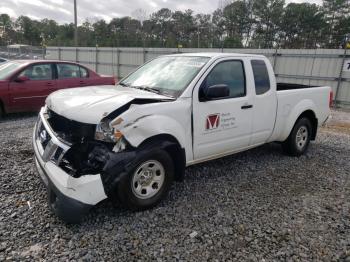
[[258, 206]]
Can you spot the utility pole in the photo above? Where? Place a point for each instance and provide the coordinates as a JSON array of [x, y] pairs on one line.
[[75, 24]]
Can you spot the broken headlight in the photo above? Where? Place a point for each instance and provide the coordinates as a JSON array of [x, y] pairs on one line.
[[105, 132]]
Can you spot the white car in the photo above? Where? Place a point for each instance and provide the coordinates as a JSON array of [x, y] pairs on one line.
[[130, 141]]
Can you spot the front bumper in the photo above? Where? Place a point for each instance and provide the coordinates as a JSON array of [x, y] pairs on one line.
[[66, 208], [70, 198]]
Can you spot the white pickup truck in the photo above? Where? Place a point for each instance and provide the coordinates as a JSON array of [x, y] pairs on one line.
[[129, 142]]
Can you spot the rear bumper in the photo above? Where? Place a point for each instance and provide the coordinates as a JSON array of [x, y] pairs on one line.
[[69, 198]]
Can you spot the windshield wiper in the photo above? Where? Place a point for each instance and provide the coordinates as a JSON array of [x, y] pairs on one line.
[[124, 84], [147, 88]]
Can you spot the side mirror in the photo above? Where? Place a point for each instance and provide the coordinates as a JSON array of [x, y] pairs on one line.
[[217, 91], [21, 79]]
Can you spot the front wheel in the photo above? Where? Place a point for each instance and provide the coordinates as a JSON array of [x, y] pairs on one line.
[[148, 183], [299, 139]]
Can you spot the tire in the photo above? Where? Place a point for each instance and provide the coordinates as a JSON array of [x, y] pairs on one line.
[[1, 112], [148, 183], [299, 139]]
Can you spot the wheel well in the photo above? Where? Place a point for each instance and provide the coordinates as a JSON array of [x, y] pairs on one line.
[[174, 149], [2, 108], [309, 114]]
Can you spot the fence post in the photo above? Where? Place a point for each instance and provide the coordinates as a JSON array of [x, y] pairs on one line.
[[339, 84], [113, 72], [312, 67], [76, 54], [275, 54], [144, 55], [43, 52], [96, 59], [118, 63], [59, 53]]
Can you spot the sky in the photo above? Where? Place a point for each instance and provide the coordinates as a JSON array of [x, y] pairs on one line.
[[62, 10]]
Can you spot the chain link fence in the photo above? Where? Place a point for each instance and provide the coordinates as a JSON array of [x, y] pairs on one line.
[[13, 52]]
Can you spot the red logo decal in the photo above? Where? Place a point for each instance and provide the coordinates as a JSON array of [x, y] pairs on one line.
[[213, 122]]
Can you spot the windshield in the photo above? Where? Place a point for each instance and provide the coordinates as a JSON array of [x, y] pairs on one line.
[[8, 68], [168, 75]]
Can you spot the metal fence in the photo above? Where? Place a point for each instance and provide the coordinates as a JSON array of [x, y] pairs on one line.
[[322, 67]]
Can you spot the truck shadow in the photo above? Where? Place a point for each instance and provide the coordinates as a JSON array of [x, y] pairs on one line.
[[239, 170], [18, 116]]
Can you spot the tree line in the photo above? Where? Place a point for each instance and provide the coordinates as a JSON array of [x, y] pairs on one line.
[[235, 24]]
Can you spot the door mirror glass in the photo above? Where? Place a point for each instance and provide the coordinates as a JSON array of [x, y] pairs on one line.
[[21, 79], [217, 91]]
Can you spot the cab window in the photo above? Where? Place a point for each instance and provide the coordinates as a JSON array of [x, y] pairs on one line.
[[67, 71], [261, 77], [38, 72], [230, 73]]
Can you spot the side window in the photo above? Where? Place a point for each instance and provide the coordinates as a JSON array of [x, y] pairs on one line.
[[38, 72], [67, 71], [230, 73], [83, 72], [261, 77]]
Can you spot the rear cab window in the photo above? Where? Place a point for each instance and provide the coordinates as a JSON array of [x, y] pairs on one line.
[[261, 77]]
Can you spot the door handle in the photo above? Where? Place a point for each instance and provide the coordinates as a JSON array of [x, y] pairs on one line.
[[49, 84], [247, 106]]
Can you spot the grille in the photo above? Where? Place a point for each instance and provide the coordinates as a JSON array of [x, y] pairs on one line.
[[69, 130], [43, 135], [51, 151]]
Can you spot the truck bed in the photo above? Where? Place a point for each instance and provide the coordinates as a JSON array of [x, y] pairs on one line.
[[292, 100], [287, 86]]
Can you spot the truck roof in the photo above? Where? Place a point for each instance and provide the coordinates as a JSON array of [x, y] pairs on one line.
[[218, 55]]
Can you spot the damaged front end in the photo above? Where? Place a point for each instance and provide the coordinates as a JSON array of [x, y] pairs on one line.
[[96, 149], [93, 149], [91, 158]]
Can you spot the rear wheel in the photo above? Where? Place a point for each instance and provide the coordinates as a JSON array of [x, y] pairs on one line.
[[148, 183], [299, 139]]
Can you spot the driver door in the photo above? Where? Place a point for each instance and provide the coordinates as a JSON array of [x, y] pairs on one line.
[[223, 125]]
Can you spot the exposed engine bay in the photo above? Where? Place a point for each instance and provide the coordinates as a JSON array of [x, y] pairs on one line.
[[86, 155], [70, 131]]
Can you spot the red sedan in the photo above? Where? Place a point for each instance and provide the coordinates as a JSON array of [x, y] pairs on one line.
[[25, 84]]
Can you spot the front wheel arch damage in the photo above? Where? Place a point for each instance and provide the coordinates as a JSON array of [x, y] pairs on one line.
[[121, 164], [95, 157], [173, 148]]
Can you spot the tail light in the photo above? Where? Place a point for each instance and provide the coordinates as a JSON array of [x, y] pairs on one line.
[[331, 99], [114, 80]]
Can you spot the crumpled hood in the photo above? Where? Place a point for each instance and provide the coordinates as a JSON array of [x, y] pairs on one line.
[[91, 104]]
